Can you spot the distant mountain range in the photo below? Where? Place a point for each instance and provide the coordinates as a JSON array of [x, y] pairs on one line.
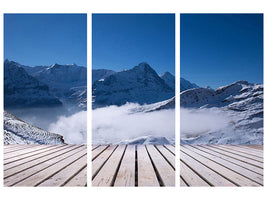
[[42, 86], [141, 84]]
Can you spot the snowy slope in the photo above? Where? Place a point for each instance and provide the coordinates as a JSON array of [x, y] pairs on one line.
[[140, 84], [239, 104], [163, 105], [17, 131], [169, 79], [23, 90], [185, 85]]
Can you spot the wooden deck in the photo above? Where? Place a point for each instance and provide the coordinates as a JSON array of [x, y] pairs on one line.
[[221, 165], [45, 165], [133, 165]]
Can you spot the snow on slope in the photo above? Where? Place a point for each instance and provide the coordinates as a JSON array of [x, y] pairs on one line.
[[17, 131], [140, 84], [185, 85], [238, 106], [167, 104], [23, 90]]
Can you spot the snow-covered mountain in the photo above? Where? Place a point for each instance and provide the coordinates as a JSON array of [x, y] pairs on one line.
[[163, 105], [98, 74], [185, 85], [17, 131], [140, 84], [27, 86], [169, 79], [23, 90], [241, 102], [66, 82]]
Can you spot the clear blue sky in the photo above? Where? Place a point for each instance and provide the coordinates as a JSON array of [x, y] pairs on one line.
[[219, 49], [122, 41], [45, 39]]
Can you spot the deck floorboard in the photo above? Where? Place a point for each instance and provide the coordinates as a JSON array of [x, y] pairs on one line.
[[45, 165], [133, 165], [221, 165]]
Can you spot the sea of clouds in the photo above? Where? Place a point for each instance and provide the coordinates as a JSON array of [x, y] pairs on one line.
[[118, 124]]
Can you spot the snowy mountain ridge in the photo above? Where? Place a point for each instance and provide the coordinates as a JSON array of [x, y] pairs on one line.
[[239, 105], [65, 83], [23, 90], [17, 131], [141, 84]]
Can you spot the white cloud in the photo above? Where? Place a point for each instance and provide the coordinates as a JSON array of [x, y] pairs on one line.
[[72, 128], [196, 122], [115, 124]]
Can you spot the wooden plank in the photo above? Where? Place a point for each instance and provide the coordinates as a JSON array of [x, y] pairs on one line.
[[41, 176], [37, 161], [206, 173], [95, 147], [210, 150], [260, 160], [235, 156], [231, 175], [126, 173], [182, 183], [22, 152], [16, 174], [15, 148], [170, 148], [28, 157], [72, 167], [100, 160], [78, 180], [98, 151], [250, 151], [106, 175], [255, 147], [165, 171], [190, 177], [19, 150], [231, 166], [167, 155], [146, 174]]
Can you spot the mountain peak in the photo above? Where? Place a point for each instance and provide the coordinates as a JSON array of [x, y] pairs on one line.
[[166, 74], [145, 68]]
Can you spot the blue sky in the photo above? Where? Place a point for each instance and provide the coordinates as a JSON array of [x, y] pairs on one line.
[[219, 49], [45, 39], [122, 41]]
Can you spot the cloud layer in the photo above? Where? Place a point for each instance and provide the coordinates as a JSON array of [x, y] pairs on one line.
[[115, 124], [72, 128]]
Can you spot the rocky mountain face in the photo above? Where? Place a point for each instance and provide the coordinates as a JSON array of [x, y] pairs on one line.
[[186, 85], [169, 79], [63, 84], [17, 131], [23, 90], [98, 74], [140, 84]]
